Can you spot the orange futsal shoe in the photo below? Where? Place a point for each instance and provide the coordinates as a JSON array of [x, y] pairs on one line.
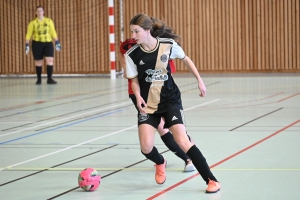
[[160, 174], [213, 187]]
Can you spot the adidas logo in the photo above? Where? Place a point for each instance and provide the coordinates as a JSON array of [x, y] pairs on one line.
[[141, 62], [174, 118]]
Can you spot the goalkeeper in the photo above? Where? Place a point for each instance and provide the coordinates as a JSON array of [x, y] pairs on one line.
[[42, 31]]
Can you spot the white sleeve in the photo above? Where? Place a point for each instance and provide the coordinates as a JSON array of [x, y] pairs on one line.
[[131, 69], [177, 52]]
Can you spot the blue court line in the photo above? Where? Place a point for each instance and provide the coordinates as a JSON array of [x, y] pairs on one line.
[[59, 127]]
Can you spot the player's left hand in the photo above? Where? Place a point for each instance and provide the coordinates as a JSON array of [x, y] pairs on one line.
[[202, 89], [57, 45]]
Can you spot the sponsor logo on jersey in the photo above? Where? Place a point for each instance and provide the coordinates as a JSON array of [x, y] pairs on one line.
[[155, 75]]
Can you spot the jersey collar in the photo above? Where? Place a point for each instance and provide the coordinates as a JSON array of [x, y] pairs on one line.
[[157, 44]]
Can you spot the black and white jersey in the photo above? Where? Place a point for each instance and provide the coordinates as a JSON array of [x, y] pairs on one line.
[[157, 86]]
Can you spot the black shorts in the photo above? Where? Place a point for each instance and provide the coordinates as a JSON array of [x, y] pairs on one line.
[[171, 117], [41, 49]]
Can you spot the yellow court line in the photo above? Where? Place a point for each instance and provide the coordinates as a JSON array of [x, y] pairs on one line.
[[141, 169]]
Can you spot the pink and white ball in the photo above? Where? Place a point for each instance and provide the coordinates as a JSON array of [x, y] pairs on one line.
[[89, 179]]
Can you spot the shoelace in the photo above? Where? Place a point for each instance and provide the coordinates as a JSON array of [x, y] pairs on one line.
[[159, 169]]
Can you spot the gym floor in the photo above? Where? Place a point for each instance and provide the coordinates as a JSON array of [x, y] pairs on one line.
[[247, 127]]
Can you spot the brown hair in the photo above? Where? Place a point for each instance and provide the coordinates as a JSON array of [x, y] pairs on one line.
[[39, 7], [157, 27]]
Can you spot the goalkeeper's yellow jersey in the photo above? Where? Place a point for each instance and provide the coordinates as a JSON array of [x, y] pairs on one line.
[[41, 30]]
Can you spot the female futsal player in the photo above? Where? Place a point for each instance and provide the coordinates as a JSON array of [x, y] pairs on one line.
[[165, 134], [158, 96], [42, 31]]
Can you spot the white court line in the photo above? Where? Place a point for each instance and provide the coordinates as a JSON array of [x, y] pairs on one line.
[[92, 140], [16, 122], [190, 108], [67, 148], [25, 129]]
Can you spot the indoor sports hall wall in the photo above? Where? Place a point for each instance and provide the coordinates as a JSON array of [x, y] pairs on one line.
[[82, 28], [231, 35], [219, 35]]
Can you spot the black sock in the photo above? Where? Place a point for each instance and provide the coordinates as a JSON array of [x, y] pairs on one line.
[[49, 71], [201, 164], [169, 141], [38, 70], [155, 157]]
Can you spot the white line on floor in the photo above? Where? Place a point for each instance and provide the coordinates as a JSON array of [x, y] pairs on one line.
[[92, 140], [63, 119]]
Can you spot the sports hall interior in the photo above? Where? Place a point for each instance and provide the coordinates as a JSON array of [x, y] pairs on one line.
[[247, 53]]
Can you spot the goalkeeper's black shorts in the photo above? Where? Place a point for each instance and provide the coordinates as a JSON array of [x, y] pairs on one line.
[[41, 49]]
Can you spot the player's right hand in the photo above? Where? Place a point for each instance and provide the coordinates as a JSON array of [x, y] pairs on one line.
[[141, 104], [26, 48]]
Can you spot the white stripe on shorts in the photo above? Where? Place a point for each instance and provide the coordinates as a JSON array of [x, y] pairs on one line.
[[182, 117]]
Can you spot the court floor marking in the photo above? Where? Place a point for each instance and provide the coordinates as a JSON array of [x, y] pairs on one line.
[[268, 97], [53, 167], [70, 190], [85, 118], [222, 161], [58, 116], [78, 121], [68, 96], [255, 119], [42, 131], [101, 137], [135, 168], [63, 119], [114, 172], [245, 106], [69, 147], [37, 102], [59, 98], [23, 112], [288, 97], [85, 109]]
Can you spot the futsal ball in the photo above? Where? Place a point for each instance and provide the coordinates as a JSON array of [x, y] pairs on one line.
[[89, 179]]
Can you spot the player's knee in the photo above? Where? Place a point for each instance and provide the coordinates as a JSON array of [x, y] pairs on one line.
[[162, 131], [49, 63], [38, 62], [183, 143], [49, 60], [146, 148]]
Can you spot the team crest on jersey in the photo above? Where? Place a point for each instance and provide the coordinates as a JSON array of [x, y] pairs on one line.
[[164, 58], [143, 117]]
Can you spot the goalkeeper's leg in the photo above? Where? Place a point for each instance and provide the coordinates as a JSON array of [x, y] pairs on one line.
[[37, 51], [49, 53]]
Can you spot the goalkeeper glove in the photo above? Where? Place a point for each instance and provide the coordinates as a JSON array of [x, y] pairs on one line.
[[57, 45], [26, 48]]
